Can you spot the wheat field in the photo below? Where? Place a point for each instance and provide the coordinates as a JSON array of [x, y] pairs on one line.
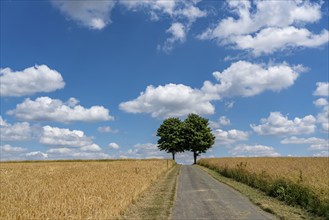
[[310, 171], [74, 190]]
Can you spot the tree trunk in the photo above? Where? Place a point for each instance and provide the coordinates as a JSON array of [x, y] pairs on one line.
[[195, 155], [173, 156]]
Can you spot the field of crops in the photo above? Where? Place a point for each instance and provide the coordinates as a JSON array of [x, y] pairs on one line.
[[74, 190], [301, 181]]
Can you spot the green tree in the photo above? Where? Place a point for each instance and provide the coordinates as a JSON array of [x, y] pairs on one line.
[[197, 135], [171, 139]]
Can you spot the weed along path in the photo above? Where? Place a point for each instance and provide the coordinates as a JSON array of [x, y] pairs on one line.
[[199, 196]]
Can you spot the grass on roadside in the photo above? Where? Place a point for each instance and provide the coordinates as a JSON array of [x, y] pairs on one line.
[[157, 201], [275, 177], [269, 204]]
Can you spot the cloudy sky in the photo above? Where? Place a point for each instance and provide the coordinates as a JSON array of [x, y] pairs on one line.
[[95, 79]]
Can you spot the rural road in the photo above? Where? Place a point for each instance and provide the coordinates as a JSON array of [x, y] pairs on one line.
[[199, 196]]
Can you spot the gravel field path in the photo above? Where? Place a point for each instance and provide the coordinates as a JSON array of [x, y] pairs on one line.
[[199, 196]]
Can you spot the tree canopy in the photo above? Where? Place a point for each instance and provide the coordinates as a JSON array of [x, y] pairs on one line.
[[193, 134], [197, 135], [171, 139]]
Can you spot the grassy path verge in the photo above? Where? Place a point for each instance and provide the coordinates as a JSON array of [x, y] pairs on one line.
[[258, 197], [157, 201]]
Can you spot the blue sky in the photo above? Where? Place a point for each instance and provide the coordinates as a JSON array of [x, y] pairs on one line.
[[95, 79]]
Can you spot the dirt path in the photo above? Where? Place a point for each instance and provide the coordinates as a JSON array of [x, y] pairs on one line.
[[199, 196]]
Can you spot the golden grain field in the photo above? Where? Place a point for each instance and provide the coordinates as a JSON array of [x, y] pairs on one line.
[[310, 171], [74, 190]]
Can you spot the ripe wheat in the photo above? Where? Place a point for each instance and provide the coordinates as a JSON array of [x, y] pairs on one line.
[[297, 181], [74, 190], [309, 171]]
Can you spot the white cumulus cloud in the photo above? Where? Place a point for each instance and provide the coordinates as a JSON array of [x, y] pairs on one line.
[[92, 14], [322, 89], [36, 155], [260, 26], [323, 116], [171, 100], [9, 152], [176, 10], [47, 109], [62, 150], [222, 121], [313, 142], [91, 147], [75, 153], [243, 78], [230, 136], [254, 151], [321, 102], [96, 14], [7, 148], [324, 153], [280, 39], [182, 13], [147, 150], [173, 9], [156, 8], [29, 81], [64, 137], [20, 131], [107, 129], [178, 33], [113, 146], [279, 125]]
